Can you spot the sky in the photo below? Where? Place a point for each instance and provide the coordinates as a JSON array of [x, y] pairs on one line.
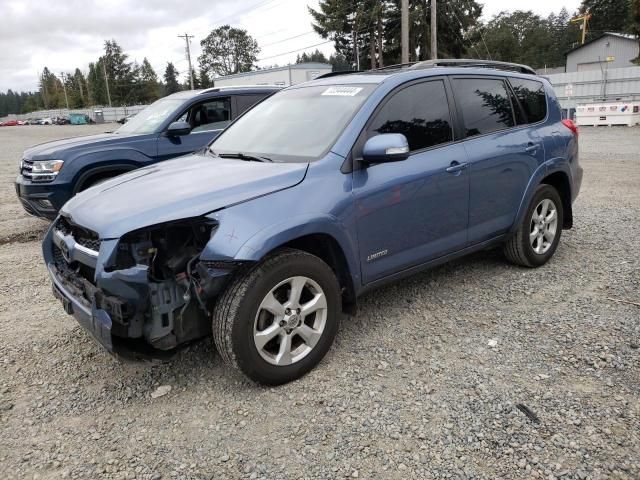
[[65, 34]]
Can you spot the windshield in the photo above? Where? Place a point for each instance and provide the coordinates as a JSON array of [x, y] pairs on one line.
[[300, 124], [149, 119]]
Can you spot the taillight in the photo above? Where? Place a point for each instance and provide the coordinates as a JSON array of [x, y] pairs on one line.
[[571, 126]]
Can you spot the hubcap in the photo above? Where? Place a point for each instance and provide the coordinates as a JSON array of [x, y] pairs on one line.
[[543, 227], [290, 321]]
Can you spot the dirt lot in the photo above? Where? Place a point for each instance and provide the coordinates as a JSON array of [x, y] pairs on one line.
[[411, 389]]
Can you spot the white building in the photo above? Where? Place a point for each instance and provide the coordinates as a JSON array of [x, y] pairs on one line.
[[287, 75]]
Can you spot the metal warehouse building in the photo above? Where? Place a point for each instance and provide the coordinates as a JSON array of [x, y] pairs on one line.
[[609, 50], [287, 75]]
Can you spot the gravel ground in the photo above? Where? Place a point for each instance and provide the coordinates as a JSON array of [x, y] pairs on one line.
[[423, 383]]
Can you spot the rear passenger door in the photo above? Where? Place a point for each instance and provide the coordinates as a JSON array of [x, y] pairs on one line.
[[502, 154], [412, 211]]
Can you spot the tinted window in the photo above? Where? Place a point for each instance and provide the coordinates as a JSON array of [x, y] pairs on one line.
[[484, 103], [211, 115], [532, 98], [420, 112], [244, 102]]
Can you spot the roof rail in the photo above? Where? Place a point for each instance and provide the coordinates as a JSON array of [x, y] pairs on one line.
[[473, 63], [235, 87], [335, 74], [395, 65]]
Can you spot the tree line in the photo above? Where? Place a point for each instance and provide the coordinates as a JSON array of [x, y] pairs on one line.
[[365, 33]]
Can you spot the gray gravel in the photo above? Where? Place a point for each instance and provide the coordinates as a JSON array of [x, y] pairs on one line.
[[423, 383]]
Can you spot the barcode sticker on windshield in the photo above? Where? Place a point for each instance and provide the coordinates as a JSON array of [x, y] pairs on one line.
[[342, 91]]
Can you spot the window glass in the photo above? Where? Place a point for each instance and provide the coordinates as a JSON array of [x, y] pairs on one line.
[[531, 95], [150, 119], [484, 103], [212, 115], [298, 124], [420, 112], [245, 102]]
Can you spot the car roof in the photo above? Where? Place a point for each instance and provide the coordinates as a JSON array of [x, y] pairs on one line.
[[413, 70], [235, 89]]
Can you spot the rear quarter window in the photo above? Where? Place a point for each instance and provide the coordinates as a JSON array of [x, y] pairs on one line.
[[532, 97]]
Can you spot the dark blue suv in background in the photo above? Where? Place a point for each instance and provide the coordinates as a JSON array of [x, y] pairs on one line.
[[51, 173], [322, 192]]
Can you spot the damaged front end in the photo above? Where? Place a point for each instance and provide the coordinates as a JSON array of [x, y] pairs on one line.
[[143, 294]]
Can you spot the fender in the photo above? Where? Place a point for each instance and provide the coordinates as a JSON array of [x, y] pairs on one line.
[[544, 170], [252, 242], [91, 170]]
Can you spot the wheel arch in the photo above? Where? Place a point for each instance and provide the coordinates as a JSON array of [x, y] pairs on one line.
[[94, 173], [560, 181]]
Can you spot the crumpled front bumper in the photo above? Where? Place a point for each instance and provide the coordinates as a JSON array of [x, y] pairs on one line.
[[95, 320]]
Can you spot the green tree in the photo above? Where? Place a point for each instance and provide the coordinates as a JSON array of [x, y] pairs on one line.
[[227, 50], [316, 56], [149, 87], [171, 84], [119, 72], [520, 37], [339, 62], [606, 16]]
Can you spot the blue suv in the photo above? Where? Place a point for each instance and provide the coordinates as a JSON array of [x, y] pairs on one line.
[[322, 192], [51, 173]]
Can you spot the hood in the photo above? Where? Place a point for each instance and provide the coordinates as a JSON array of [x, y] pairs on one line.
[[62, 148], [186, 187]]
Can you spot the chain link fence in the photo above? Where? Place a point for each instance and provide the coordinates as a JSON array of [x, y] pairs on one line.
[[109, 114]]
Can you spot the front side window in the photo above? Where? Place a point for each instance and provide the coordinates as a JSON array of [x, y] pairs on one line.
[[295, 125], [207, 116], [484, 103], [531, 95], [420, 112]]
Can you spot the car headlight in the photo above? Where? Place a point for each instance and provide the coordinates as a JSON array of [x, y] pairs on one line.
[[45, 170]]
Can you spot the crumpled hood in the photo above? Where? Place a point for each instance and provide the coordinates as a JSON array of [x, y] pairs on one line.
[[186, 187], [60, 149]]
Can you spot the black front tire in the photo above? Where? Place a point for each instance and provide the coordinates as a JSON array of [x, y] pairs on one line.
[[518, 249], [235, 313]]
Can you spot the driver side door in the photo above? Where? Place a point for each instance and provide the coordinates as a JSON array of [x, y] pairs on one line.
[[412, 211], [207, 120]]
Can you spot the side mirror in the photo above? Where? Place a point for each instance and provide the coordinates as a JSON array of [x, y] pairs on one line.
[[386, 147], [177, 129]]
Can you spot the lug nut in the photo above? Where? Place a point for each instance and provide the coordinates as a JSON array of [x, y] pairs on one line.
[[287, 311]]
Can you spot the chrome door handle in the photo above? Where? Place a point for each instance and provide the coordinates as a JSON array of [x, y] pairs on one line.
[[456, 167], [531, 148]]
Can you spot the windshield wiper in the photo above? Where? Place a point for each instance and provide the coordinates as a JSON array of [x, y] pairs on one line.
[[242, 156]]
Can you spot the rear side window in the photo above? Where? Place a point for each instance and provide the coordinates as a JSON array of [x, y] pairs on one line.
[[420, 112], [484, 103], [531, 96]]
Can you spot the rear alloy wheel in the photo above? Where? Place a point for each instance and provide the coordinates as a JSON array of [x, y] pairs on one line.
[[277, 320], [537, 237]]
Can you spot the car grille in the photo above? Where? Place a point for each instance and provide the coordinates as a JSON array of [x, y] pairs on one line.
[[82, 236], [26, 166]]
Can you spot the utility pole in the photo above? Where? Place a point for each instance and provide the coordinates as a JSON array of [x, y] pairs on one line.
[[404, 27], [64, 88], [434, 31], [584, 18], [106, 79], [187, 38]]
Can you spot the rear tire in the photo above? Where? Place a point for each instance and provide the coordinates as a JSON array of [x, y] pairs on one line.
[[259, 322], [538, 234]]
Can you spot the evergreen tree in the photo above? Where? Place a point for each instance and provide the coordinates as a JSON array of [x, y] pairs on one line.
[[227, 50], [316, 56], [171, 84], [606, 16]]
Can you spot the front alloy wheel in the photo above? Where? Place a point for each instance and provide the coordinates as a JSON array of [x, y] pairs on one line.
[[290, 321], [277, 320]]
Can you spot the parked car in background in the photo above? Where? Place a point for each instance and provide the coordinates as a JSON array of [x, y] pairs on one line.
[[61, 120], [51, 173], [10, 123], [45, 121], [322, 192]]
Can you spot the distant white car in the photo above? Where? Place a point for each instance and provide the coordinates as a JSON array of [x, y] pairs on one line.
[[45, 121]]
